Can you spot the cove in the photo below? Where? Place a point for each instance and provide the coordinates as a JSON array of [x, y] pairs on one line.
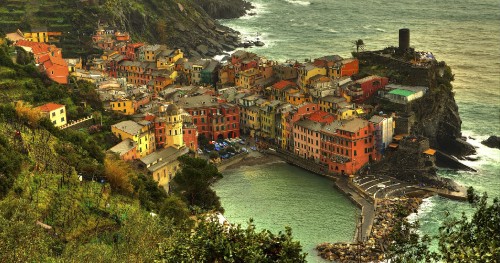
[[277, 194]]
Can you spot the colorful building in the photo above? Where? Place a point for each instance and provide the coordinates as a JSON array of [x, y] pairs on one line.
[[162, 165], [55, 112], [307, 71], [363, 89], [214, 120], [383, 132], [126, 149], [347, 146], [141, 133]]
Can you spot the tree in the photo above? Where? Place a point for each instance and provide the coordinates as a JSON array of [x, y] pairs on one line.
[[460, 239], [359, 45], [193, 183], [214, 242], [118, 174]]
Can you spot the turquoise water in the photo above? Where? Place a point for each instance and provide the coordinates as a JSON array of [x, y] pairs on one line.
[[465, 34], [277, 195]]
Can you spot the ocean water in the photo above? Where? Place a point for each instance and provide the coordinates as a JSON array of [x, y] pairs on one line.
[[277, 194], [464, 33]]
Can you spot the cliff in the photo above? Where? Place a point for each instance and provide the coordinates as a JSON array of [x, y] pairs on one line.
[[436, 114], [224, 9], [179, 24]]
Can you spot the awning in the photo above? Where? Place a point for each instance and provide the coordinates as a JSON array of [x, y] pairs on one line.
[[430, 151], [393, 145]]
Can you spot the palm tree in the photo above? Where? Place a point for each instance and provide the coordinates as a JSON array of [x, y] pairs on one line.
[[359, 44]]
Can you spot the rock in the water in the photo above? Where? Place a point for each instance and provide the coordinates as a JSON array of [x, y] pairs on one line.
[[492, 142]]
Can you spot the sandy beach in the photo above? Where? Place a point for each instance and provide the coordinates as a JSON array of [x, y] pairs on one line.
[[253, 158]]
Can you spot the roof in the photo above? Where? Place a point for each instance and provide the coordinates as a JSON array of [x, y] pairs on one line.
[[333, 99], [321, 116], [172, 109], [430, 151], [123, 147], [198, 101], [393, 145], [366, 79], [308, 124], [353, 125], [402, 92], [334, 58], [130, 127], [377, 119], [162, 157], [282, 84], [50, 107]]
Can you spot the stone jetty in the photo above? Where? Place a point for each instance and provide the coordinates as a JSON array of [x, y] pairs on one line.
[[389, 212]]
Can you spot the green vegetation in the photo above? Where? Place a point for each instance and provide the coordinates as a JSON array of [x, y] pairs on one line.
[[460, 239], [63, 200]]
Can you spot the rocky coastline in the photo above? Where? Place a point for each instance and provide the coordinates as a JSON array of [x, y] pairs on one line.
[[389, 213]]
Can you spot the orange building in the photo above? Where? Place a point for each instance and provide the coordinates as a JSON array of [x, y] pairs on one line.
[[49, 58], [346, 146], [350, 67]]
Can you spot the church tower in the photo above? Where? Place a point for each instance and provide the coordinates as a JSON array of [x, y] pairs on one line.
[[173, 127]]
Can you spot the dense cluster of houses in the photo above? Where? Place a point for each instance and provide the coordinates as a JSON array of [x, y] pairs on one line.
[[318, 110]]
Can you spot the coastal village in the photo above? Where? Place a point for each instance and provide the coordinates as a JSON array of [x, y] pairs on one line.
[[320, 112], [317, 110]]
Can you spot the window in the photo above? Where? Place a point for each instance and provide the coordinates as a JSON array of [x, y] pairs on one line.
[[53, 114], [62, 111], [355, 153], [62, 119]]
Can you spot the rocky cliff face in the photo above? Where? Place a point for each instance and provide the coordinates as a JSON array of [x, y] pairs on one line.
[[224, 9], [436, 114]]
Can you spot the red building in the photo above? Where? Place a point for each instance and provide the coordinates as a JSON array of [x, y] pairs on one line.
[[363, 89], [346, 146], [214, 120], [190, 136], [132, 50], [350, 67]]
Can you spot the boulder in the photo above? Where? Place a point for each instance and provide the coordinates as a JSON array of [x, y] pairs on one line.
[[492, 142]]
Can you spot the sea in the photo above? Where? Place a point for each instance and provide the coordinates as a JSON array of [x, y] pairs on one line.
[[463, 33]]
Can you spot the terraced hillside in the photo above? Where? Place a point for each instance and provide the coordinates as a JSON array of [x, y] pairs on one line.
[[182, 23]]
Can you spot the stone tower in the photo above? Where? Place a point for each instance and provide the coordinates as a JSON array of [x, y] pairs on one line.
[[173, 127]]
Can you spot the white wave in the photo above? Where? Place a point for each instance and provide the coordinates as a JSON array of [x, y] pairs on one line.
[[380, 29], [257, 11], [485, 154], [331, 30], [297, 2], [367, 26], [426, 206]]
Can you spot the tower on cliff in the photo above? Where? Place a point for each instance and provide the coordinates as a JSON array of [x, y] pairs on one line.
[[404, 40]]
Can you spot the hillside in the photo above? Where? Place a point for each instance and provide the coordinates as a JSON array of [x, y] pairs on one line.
[[182, 23], [63, 199]]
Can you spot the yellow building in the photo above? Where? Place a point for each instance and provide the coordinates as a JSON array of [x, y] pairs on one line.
[[162, 165], [141, 133], [345, 114], [308, 71], [123, 106], [246, 79], [55, 112], [173, 127], [330, 103], [296, 97], [251, 120], [40, 35], [268, 119]]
